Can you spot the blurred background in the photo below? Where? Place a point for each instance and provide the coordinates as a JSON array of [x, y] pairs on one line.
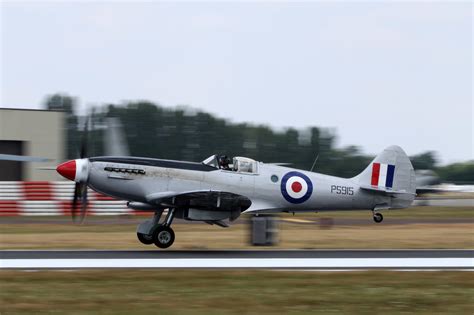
[[280, 82], [184, 133]]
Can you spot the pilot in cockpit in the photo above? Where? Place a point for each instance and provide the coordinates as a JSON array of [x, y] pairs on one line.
[[224, 162]]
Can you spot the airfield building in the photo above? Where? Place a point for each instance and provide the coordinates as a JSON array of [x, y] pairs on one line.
[[31, 133]]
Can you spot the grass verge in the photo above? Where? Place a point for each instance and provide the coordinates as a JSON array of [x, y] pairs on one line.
[[119, 233], [235, 292]]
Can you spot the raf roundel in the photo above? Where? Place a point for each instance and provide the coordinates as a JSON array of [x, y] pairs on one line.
[[296, 187]]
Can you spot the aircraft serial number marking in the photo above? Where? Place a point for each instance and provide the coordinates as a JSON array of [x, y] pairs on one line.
[[342, 190]]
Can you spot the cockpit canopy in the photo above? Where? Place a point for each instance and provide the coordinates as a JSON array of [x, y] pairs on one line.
[[239, 164], [211, 161]]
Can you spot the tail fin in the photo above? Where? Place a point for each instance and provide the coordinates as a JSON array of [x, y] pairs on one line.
[[391, 173]]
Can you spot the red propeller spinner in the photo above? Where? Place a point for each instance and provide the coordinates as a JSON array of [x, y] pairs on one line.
[[67, 170]]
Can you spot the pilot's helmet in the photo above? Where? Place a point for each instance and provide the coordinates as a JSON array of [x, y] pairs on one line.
[[224, 160]]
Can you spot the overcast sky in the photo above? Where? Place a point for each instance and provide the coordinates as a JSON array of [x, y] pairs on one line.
[[380, 73]]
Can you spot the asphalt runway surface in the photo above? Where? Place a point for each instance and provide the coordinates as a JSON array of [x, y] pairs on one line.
[[231, 254], [283, 259]]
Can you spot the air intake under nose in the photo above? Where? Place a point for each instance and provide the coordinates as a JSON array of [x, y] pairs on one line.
[[67, 170]]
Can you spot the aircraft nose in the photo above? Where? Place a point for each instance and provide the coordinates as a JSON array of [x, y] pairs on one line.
[[67, 170]]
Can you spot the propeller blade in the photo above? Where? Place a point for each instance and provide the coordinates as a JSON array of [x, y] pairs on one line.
[[80, 189], [47, 168], [84, 204], [80, 195], [22, 158], [74, 202], [84, 139]]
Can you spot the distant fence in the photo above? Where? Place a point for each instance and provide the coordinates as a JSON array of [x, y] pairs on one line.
[[53, 198]]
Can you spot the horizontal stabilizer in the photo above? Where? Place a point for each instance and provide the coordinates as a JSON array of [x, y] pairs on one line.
[[386, 191]]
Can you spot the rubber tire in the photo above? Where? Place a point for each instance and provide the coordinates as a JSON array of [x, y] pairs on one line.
[[378, 217], [156, 235], [144, 239]]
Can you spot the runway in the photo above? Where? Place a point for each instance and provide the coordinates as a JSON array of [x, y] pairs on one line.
[[268, 259]]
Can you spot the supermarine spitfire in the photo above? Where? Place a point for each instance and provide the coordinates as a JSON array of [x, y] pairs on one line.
[[219, 189]]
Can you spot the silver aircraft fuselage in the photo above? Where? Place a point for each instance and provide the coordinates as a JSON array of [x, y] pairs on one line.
[[135, 179]]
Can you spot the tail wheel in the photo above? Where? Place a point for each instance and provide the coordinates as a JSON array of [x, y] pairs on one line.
[[145, 239], [163, 236], [378, 217]]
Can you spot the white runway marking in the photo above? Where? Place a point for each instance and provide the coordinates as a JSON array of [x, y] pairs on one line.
[[308, 263]]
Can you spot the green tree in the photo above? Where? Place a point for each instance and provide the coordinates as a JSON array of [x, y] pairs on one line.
[[424, 161], [186, 134], [459, 173]]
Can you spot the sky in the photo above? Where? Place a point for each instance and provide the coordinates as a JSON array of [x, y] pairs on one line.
[[380, 73]]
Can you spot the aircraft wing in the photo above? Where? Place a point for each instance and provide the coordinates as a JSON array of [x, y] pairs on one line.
[[262, 206], [201, 199]]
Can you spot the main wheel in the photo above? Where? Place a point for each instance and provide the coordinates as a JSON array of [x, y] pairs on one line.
[[144, 239], [163, 236], [378, 217]]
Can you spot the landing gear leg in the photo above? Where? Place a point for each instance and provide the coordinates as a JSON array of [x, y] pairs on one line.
[[378, 217], [163, 235], [144, 230]]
